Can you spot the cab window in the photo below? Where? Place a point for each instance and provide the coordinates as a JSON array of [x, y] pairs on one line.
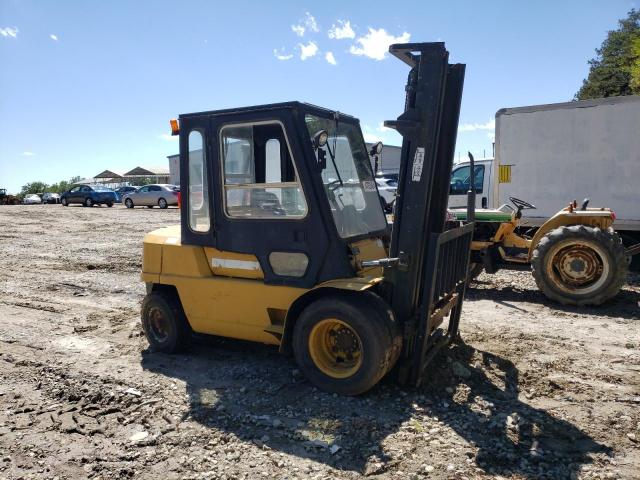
[[460, 180], [260, 180], [199, 220]]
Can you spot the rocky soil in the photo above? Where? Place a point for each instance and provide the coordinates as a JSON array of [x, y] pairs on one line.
[[533, 390]]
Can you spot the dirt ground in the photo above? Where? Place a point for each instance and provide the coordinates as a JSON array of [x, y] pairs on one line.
[[533, 391]]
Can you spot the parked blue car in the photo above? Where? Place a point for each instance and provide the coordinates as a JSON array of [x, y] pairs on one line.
[[89, 195]]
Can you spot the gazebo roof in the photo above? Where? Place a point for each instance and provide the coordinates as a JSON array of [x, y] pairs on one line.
[[108, 174], [147, 172]]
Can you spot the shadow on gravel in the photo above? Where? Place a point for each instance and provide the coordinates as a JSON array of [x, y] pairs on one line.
[[624, 305], [252, 393]]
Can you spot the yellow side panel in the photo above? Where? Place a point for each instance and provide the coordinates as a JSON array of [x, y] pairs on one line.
[[232, 307], [185, 260], [151, 258]]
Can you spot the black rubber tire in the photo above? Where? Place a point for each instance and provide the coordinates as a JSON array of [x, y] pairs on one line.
[[179, 333], [65, 202], [614, 255], [88, 202], [162, 203], [375, 335], [109, 204], [149, 206], [128, 203]]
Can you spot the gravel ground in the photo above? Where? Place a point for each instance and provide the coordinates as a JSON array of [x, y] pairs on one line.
[[533, 390]]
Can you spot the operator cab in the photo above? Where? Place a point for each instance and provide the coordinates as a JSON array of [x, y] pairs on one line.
[[254, 181]]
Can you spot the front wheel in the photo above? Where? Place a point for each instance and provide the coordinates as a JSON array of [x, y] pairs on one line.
[[65, 202], [345, 345], [579, 265], [162, 203], [88, 202], [128, 203]]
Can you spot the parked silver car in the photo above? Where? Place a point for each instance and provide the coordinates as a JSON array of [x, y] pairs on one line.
[[161, 195], [32, 199]]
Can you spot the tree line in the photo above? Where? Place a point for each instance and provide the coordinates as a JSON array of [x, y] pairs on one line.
[[41, 187]]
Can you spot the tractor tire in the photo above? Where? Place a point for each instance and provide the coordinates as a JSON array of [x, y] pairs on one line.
[[580, 265], [164, 322], [345, 345]]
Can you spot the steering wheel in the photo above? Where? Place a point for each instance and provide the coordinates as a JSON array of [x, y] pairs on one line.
[[521, 204]]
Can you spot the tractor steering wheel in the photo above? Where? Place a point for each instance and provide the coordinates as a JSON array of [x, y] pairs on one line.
[[521, 204]]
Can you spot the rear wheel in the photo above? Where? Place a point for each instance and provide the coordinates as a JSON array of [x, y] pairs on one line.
[[345, 345], [88, 202], [64, 201], [579, 265], [109, 204], [128, 203], [162, 203], [164, 322], [149, 206]]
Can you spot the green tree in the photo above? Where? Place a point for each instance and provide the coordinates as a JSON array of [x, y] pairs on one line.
[[33, 187], [615, 70]]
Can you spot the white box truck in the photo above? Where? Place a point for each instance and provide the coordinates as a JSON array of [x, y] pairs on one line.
[[552, 154]]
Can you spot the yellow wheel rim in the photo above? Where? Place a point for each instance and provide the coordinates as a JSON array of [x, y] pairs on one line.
[[335, 348]]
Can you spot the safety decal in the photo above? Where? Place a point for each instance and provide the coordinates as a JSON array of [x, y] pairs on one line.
[[418, 161]]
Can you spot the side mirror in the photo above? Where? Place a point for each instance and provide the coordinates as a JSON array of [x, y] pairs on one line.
[[376, 149]]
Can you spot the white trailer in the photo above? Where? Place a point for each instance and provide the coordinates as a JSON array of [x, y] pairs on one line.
[[552, 154]]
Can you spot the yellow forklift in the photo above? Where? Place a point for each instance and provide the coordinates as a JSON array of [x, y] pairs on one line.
[[283, 239]]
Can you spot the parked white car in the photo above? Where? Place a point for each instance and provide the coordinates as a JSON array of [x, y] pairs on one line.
[[32, 199], [387, 188]]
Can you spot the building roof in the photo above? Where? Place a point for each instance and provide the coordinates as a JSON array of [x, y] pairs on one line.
[[108, 174], [147, 172]]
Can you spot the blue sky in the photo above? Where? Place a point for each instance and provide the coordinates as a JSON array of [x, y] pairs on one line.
[[88, 85]]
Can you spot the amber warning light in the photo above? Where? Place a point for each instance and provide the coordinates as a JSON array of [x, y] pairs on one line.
[[175, 129]]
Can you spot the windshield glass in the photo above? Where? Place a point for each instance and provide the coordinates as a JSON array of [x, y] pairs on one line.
[[348, 178]]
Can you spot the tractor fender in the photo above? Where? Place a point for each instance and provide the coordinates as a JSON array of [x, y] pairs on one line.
[[337, 287], [601, 219]]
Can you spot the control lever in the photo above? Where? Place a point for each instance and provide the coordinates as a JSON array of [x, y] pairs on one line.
[[381, 262]]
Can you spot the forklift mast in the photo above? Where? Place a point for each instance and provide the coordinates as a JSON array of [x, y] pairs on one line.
[[427, 272]]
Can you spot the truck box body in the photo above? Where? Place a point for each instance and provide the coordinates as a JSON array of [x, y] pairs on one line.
[[556, 153]]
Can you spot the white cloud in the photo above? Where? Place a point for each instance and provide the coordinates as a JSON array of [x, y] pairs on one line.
[[342, 30], [280, 55], [166, 136], [381, 134], [472, 127], [28, 154], [375, 44], [307, 51], [53, 37], [9, 32], [308, 23], [330, 58]]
